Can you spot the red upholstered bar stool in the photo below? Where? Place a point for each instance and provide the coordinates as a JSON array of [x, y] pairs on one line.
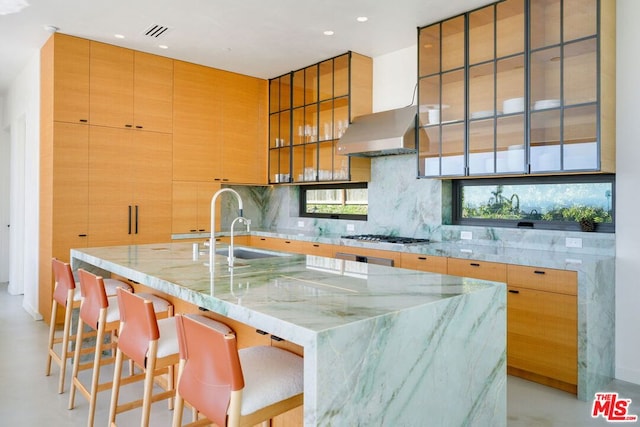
[[102, 315], [67, 295], [152, 344], [231, 387]]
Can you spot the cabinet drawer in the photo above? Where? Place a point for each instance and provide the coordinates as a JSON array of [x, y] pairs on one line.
[[433, 264], [318, 249], [485, 270], [276, 244], [544, 279]]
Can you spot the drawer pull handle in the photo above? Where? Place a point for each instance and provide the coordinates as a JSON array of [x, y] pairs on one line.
[[422, 258], [474, 264], [275, 338], [263, 239], [316, 246], [513, 291], [538, 272], [84, 120], [261, 332]]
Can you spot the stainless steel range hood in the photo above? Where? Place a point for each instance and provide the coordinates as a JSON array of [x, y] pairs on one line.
[[381, 134]]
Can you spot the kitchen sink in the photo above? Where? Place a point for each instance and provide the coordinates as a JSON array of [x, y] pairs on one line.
[[246, 253]]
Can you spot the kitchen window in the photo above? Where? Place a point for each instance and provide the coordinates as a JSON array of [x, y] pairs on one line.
[[580, 202], [336, 201]]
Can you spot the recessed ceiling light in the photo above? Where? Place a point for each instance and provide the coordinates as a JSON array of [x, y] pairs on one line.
[[328, 33], [362, 19], [163, 46], [118, 36]]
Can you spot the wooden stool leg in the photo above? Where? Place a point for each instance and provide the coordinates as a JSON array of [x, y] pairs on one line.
[[76, 364], [179, 402], [65, 347], [115, 390], [52, 332], [148, 382], [95, 375]]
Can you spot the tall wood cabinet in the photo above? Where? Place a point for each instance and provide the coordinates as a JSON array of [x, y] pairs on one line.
[[519, 87]]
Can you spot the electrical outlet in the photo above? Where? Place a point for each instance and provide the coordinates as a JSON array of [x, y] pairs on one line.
[[351, 227], [466, 235], [301, 224], [573, 242]]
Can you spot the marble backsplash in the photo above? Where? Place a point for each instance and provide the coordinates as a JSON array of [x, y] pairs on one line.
[[400, 204]]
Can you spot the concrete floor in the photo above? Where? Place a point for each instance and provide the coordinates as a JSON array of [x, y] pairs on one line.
[[29, 398]]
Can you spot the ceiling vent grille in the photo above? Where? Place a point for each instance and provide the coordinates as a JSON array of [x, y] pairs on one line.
[[156, 31]]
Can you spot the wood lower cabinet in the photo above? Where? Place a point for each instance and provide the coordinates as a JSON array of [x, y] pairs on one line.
[[542, 326], [485, 270], [430, 263], [317, 249], [277, 244]]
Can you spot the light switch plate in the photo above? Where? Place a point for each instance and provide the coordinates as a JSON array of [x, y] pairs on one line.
[[466, 235], [573, 242], [301, 224], [351, 227]]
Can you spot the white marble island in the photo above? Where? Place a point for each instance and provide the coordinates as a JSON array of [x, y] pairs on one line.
[[382, 346]]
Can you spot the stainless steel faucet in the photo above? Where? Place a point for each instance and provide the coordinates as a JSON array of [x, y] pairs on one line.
[[241, 220], [212, 240]]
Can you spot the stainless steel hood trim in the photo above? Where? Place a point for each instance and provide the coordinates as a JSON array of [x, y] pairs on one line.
[[379, 134]]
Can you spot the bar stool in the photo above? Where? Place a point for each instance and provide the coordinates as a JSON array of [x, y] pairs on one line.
[[231, 387], [100, 315], [152, 344], [67, 295]]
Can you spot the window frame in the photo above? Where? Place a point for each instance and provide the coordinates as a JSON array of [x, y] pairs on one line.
[[337, 186], [456, 199]]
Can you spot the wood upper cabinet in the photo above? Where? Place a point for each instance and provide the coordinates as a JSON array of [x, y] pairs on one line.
[[220, 127], [130, 193], [71, 82], [153, 93], [192, 206], [197, 123], [111, 86], [130, 89], [244, 129]]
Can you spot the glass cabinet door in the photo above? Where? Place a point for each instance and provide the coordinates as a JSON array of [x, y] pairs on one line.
[[306, 127], [563, 86], [522, 96]]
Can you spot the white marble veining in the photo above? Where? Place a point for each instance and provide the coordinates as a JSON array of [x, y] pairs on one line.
[[380, 343]]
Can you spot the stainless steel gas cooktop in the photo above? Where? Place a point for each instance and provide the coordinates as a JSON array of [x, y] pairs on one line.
[[380, 238]]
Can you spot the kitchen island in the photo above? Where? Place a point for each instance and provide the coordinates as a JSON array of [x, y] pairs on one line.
[[382, 346]]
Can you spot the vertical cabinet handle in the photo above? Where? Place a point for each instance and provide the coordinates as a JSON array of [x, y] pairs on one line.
[[129, 232], [136, 219]]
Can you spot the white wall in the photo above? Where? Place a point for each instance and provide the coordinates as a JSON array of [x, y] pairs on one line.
[[394, 79], [22, 116], [4, 196], [627, 200]]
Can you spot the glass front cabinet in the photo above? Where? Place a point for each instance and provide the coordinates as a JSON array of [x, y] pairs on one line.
[[519, 87], [309, 111]]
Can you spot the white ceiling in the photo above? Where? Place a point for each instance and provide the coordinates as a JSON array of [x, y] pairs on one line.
[[262, 38]]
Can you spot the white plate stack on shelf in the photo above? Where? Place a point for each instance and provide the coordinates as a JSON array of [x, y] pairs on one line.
[[544, 104]]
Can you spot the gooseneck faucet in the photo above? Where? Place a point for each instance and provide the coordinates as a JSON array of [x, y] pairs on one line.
[[241, 220], [212, 240]]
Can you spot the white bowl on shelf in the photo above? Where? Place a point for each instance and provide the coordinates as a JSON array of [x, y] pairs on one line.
[[544, 104], [513, 105]]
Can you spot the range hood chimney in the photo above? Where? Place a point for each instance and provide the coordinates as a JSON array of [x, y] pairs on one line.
[[381, 134]]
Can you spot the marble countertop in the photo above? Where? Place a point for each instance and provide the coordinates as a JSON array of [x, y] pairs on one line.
[[291, 296]]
